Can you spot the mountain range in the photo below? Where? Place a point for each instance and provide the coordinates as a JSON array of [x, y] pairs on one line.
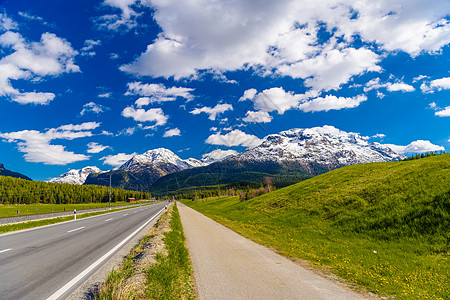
[[286, 157], [5, 172]]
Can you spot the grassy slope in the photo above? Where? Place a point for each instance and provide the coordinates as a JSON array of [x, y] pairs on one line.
[[384, 226]]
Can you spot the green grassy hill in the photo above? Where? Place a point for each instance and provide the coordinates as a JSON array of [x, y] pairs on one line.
[[383, 226]]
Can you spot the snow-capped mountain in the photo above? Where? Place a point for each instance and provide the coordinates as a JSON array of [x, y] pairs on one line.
[[160, 157], [76, 176], [325, 145], [287, 157]]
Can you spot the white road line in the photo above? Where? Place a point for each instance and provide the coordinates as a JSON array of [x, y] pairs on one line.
[[125, 215], [76, 229], [5, 250], [108, 219], [71, 283]]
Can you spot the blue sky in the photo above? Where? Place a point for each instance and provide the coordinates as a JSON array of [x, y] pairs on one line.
[[94, 82]]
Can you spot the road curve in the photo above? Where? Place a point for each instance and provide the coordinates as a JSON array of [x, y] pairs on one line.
[[229, 266], [36, 264]]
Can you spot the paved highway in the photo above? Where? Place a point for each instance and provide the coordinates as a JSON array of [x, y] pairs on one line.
[[50, 262]]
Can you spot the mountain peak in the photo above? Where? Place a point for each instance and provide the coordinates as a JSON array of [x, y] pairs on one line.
[[325, 145], [76, 176]]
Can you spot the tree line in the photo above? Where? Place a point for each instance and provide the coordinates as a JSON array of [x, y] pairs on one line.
[[21, 191], [423, 155]]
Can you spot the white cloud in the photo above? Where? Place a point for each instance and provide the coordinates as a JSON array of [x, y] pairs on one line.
[[37, 148], [331, 103], [420, 77], [378, 136], [248, 95], [7, 23], [51, 56], [229, 35], [400, 86], [89, 46], [333, 67], [257, 117], [172, 132], [219, 154], [275, 99], [419, 146], [158, 92], [104, 95], [380, 95], [118, 159], [443, 113], [437, 84], [94, 108], [213, 111], [127, 131], [96, 147], [234, 138], [141, 115], [125, 21]]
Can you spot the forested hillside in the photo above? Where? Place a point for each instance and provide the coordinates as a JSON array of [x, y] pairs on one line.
[[20, 191]]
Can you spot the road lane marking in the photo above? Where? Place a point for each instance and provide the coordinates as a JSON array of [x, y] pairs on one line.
[[71, 283], [76, 229], [108, 219], [125, 215], [5, 250]]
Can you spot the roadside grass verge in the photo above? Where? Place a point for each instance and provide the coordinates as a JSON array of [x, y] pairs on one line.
[[384, 228], [165, 275], [38, 223], [10, 210]]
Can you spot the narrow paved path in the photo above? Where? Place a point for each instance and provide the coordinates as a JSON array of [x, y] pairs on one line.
[[229, 266]]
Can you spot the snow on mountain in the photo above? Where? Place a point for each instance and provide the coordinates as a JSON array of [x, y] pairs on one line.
[[160, 157], [76, 176], [325, 145]]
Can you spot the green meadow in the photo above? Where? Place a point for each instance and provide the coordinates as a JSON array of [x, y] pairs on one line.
[[30, 209], [383, 228]]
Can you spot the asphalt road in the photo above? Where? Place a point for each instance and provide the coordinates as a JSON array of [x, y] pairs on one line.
[[51, 262], [229, 266]]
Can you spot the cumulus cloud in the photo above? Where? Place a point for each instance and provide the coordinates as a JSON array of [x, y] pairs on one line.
[[158, 92], [332, 68], [218, 154], [94, 108], [172, 132], [51, 56], [234, 138], [437, 84], [213, 111], [257, 117], [375, 84], [400, 86], [330, 102], [141, 115], [96, 147], [419, 146], [443, 113], [118, 159], [275, 99], [37, 148], [231, 35]]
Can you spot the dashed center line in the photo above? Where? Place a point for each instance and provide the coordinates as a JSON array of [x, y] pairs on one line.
[[125, 215], [5, 250], [108, 219], [76, 229]]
